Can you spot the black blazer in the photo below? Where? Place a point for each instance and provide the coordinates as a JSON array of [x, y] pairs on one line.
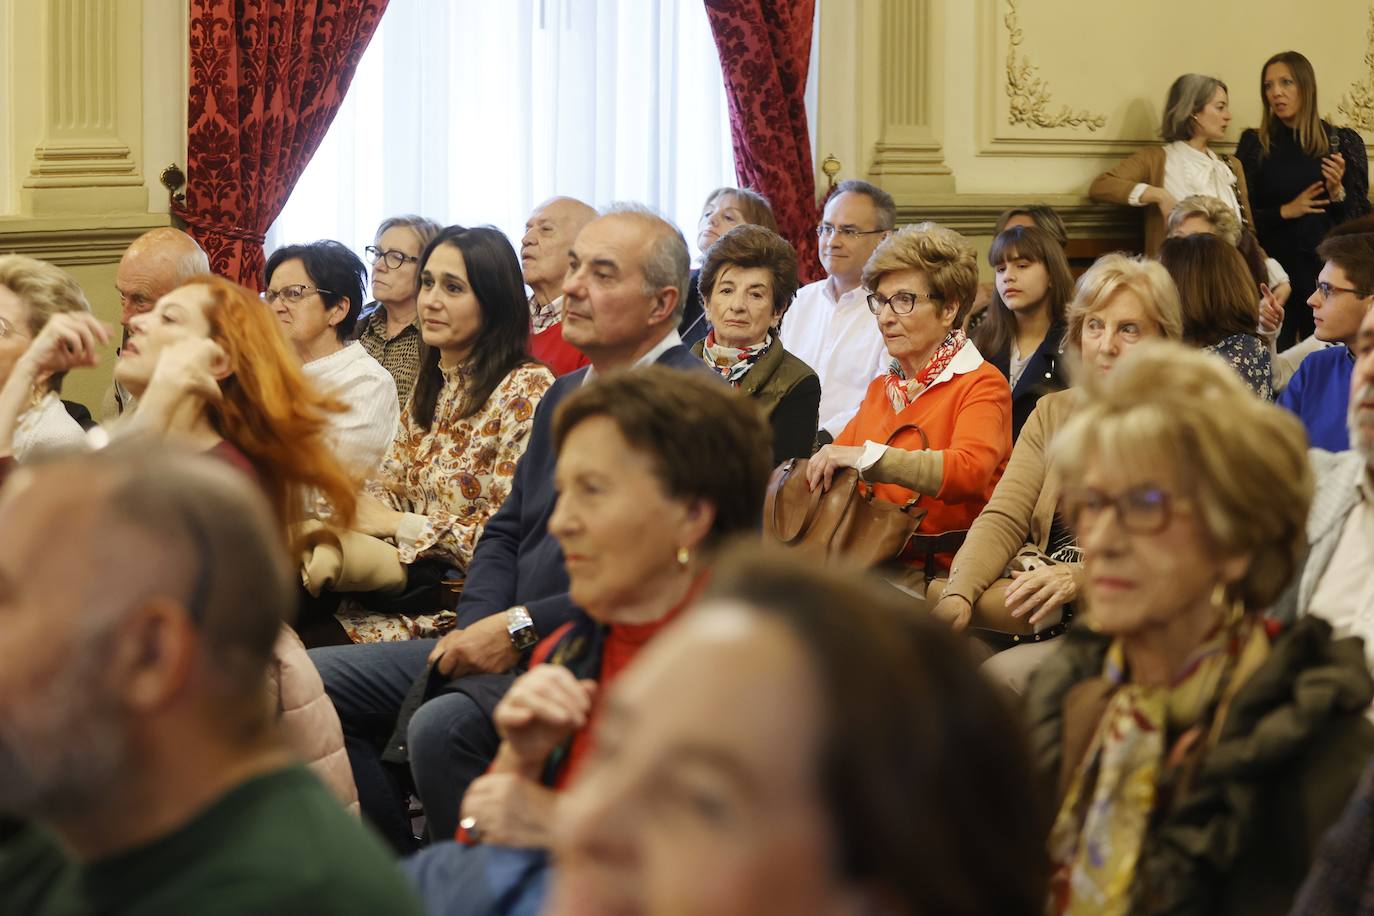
[[1045, 372]]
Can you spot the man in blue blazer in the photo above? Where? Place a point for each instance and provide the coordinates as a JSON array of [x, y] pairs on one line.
[[623, 296]]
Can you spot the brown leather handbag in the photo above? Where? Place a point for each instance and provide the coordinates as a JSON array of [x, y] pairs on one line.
[[842, 524]]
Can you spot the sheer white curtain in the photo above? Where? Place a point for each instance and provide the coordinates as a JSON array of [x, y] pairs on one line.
[[473, 111]]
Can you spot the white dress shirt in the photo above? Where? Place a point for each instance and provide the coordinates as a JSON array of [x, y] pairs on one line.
[[1189, 171], [840, 340], [360, 435]]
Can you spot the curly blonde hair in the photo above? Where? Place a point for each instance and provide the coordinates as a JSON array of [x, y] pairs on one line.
[[945, 256], [1243, 461], [1225, 223]]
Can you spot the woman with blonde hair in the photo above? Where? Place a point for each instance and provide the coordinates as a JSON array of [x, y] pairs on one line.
[[1196, 113], [1196, 756], [1306, 176], [936, 427], [31, 293], [1019, 548]]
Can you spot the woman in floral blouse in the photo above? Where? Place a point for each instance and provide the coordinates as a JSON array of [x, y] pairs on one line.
[[1220, 308], [467, 424]]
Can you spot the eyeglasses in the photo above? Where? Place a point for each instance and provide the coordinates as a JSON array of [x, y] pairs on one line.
[[293, 293], [902, 302], [394, 258], [1327, 290], [1145, 509], [848, 233]]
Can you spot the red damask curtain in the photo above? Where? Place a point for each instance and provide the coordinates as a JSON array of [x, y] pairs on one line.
[[266, 78], [765, 50]]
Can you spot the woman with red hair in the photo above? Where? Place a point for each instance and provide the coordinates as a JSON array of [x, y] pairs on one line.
[[210, 369]]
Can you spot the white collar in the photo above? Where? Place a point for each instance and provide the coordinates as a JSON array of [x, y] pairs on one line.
[[966, 360], [669, 340]]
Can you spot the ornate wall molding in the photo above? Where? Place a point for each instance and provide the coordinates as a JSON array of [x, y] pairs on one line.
[[1031, 102], [69, 243], [1357, 105]]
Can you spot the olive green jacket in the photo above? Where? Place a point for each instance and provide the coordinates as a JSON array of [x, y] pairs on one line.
[[789, 394], [1241, 837]]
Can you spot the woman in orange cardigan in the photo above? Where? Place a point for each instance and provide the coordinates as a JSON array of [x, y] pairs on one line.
[[921, 281]]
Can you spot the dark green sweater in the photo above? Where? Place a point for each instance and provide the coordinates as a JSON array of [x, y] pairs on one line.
[[279, 843]]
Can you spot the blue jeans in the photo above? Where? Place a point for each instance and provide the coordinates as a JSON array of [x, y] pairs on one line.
[[450, 739], [457, 880]]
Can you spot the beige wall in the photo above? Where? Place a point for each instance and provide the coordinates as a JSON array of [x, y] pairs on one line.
[[92, 108], [917, 95]]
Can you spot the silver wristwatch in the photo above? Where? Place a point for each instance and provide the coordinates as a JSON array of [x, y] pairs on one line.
[[520, 626]]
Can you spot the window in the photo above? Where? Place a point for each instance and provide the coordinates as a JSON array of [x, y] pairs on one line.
[[472, 112]]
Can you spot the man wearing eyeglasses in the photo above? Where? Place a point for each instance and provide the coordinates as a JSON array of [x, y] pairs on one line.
[[828, 325], [1319, 392]]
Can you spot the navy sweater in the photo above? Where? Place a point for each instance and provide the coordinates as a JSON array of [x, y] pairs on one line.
[[517, 561]]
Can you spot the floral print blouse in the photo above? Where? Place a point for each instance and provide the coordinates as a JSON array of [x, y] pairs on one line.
[[452, 477], [1249, 356]]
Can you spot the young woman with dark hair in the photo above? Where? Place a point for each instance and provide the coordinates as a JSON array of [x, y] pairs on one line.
[[1022, 334], [451, 464]]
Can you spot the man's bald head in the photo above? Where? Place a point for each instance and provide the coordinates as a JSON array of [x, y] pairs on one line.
[[549, 233], [156, 263]]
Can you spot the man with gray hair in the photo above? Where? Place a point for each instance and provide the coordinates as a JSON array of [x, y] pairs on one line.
[[143, 589], [829, 326], [623, 296], [156, 263]]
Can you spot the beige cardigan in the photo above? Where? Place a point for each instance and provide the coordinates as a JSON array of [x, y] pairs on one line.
[[1114, 186], [1022, 506]]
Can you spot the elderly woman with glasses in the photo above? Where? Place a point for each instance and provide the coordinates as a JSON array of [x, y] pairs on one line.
[[316, 293], [936, 428], [1196, 756], [389, 329], [748, 281]]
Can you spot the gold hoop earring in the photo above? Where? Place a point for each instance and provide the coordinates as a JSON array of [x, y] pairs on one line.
[[684, 557]]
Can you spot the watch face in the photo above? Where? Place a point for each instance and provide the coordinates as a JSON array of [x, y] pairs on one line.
[[524, 638]]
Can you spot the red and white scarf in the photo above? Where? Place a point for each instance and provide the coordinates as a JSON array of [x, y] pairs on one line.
[[901, 391]]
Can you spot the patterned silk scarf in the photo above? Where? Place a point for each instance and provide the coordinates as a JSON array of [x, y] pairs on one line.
[[731, 362], [902, 390], [1105, 817]]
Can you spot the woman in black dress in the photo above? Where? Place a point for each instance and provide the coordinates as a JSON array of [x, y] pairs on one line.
[[1305, 177]]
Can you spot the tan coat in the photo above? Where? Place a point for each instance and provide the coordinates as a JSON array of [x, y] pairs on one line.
[[1114, 186], [1022, 506], [309, 724]]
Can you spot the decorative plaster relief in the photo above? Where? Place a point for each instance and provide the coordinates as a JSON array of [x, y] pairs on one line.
[[1030, 95], [1357, 106]]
